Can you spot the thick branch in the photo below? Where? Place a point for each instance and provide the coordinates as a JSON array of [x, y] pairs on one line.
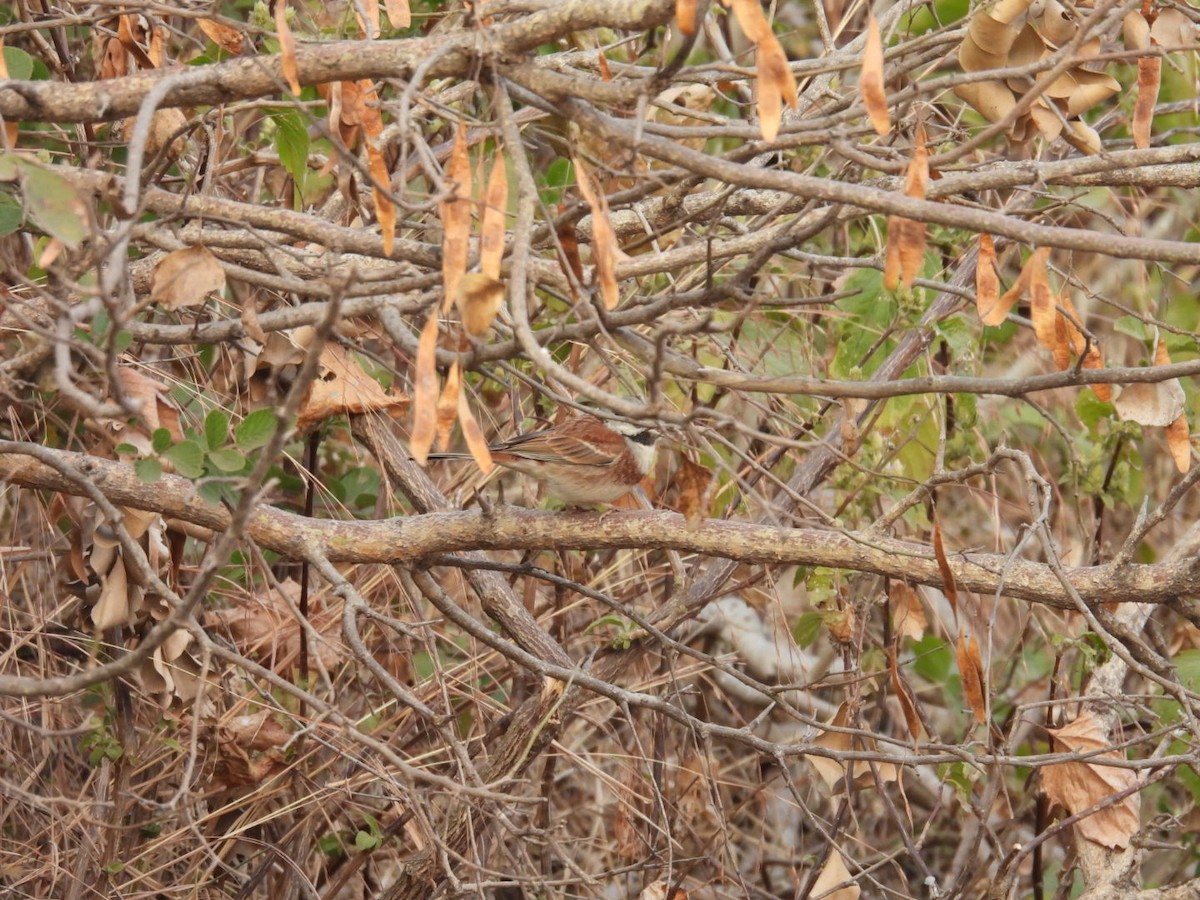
[[414, 537], [451, 53]]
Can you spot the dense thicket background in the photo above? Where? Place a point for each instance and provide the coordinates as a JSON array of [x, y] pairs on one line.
[[256, 259]]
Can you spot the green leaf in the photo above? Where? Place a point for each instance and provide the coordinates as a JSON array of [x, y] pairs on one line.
[[560, 174], [148, 470], [365, 841], [160, 440], [1187, 663], [11, 213], [54, 205], [216, 428], [1131, 326], [1092, 410], [227, 459], [125, 450], [19, 63], [808, 628], [256, 429], [932, 659], [330, 845], [188, 458], [291, 142]]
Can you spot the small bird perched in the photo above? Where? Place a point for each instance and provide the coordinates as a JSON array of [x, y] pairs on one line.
[[581, 460]]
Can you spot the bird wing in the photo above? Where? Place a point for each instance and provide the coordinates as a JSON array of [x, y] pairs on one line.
[[561, 445]]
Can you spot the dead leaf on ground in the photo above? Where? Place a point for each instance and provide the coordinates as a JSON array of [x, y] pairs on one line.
[[186, 277], [1076, 786]]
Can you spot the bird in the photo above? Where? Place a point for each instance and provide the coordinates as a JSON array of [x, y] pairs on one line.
[[581, 460]]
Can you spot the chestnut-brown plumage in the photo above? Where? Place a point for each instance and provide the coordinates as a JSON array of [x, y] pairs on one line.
[[581, 460]]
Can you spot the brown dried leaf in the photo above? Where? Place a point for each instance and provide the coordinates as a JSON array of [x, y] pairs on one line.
[[228, 39], [604, 241], [891, 259], [987, 284], [398, 13], [1083, 137], [1173, 29], [908, 700], [1076, 786], [261, 731], [1093, 360], [186, 277], [1062, 342], [287, 47], [1149, 80], [385, 209], [343, 388], [1157, 404], [870, 83], [833, 771], [991, 99], [491, 222], [479, 300], [685, 16], [694, 483], [949, 585], [369, 28], [112, 607], [456, 217], [908, 615], [991, 33], [1041, 302], [916, 181], [133, 32], [473, 434], [447, 405], [833, 874], [970, 668], [1135, 31], [145, 391], [775, 85], [425, 392], [1179, 442]]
